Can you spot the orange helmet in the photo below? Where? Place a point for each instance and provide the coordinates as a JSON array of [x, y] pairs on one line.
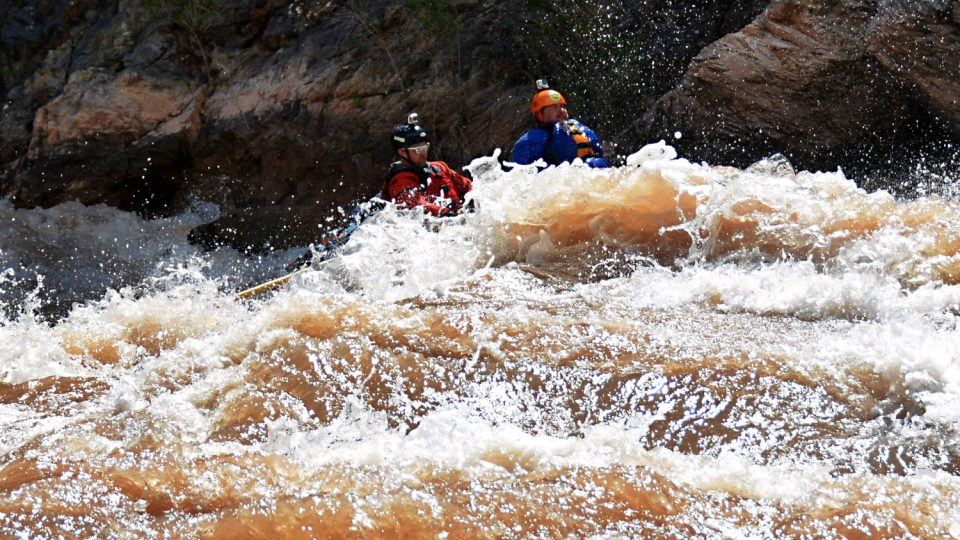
[[546, 98]]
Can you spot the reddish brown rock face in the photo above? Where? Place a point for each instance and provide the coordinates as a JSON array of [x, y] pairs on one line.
[[129, 106], [817, 80], [98, 135]]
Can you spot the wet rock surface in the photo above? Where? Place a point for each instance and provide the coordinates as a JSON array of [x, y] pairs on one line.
[[852, 84]]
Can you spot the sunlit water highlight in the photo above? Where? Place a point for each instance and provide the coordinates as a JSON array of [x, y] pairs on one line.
[[664, 349]]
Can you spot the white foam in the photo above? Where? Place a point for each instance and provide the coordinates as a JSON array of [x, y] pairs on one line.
[[658, 151], [31, 351], [454, 437]]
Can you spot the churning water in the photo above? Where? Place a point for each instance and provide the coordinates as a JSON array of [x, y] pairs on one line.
[[664, 349]]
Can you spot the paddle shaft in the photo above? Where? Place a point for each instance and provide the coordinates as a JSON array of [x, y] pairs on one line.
[[268, 286]]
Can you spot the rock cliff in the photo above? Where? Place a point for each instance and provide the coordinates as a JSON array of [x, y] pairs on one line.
[[871, 86]]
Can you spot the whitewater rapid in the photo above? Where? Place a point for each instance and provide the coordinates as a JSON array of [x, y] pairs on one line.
[[664, 349]]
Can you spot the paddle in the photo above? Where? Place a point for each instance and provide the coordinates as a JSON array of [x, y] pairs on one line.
[[268, 286]]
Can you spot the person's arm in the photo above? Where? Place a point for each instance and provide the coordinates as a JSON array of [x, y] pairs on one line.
[[529, 147], [404, 191], [462, 184]]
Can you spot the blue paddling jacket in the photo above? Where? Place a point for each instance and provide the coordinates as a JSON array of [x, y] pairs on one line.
[[559, 142]]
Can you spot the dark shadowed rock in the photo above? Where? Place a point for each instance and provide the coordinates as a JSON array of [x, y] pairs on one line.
[[305, 126], [919, 42], [614, 60]]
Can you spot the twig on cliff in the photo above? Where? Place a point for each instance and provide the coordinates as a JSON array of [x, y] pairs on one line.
[[354, 8], [194, 17]]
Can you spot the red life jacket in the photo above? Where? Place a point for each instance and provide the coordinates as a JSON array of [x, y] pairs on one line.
[[437, 188]]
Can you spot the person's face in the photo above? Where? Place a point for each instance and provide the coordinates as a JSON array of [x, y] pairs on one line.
[[417, 155], [554, 113]]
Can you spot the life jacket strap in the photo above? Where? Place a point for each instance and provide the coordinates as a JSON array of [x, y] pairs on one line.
[[584, 148]]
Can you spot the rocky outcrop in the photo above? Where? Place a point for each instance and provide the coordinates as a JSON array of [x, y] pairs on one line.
[[116, 138], [276, 109], [841, 83]]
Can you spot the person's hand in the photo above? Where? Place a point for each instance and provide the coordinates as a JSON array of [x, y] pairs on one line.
[[597, 163]]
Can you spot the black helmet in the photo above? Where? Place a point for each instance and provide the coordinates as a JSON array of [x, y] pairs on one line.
[[409, 134]]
